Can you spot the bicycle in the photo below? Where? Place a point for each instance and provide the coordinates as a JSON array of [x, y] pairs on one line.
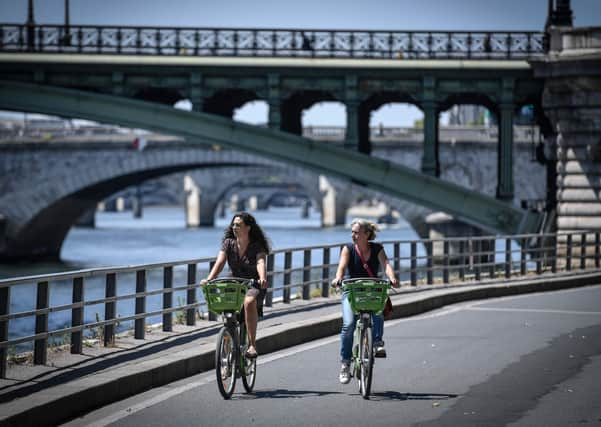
[[367, 296], [226, 296]]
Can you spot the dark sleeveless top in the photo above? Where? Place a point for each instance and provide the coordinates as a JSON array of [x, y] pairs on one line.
[[245, 266], [355, 266]]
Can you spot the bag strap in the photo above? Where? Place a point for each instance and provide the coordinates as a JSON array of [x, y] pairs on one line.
[[365, 265]]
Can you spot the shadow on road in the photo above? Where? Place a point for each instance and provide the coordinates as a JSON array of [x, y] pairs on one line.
[[395, 395], [285, 394]]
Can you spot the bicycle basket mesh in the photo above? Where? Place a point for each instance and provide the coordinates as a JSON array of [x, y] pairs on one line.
[[367, 296], [224, 296]]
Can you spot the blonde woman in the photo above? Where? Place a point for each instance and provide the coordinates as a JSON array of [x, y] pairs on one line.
[[351, 256]]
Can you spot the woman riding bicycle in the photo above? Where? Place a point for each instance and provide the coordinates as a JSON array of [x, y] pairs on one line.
[[351, 258], [245, 247]]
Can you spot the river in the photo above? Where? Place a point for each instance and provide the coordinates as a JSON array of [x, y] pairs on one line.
[[159, 236]]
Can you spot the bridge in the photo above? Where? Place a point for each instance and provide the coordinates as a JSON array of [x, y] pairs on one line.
[[43, 179], [78, 83]]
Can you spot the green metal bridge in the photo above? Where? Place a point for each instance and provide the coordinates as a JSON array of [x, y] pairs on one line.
[[393, 179]]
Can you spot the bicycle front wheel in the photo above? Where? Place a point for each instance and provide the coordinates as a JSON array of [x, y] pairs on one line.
[[225, 359], [366, 356], [248, 367]]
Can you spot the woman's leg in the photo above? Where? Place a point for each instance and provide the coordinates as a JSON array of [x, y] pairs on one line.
[[251, 319], [348, 328], [378, 321]]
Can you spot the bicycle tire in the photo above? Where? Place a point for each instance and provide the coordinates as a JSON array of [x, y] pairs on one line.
[[248, 367], [366, 355], [225, 365]]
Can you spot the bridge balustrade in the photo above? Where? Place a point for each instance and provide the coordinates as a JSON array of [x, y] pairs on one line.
[[187, 41], [105, 301]]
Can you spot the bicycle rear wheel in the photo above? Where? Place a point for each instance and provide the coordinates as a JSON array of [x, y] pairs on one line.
[[248, 368], [366, 355], [225, 362]]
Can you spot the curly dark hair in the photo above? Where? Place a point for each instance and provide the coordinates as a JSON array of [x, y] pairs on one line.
[[255, 234]]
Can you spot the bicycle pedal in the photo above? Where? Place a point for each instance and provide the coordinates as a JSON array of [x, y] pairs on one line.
[[380, 355]]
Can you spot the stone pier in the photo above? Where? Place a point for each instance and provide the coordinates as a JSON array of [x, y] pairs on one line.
[[572, 102]]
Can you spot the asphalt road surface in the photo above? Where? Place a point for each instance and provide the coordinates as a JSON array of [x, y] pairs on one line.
[[530, 360]]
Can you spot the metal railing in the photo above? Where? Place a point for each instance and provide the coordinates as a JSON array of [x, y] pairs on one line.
[[261, 42], [124, 294]]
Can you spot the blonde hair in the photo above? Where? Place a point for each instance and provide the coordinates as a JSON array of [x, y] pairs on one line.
[[369, 227]]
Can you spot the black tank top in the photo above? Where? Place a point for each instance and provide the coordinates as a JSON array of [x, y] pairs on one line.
[[355, 266]]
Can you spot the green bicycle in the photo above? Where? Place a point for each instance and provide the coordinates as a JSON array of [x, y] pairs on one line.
[[226, 296], [367, 296]]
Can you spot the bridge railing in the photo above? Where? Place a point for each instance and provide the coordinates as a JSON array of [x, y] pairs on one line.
[[258, 42], [95, 304]]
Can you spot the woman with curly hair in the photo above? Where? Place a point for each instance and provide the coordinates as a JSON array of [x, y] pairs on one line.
[[245, 248]]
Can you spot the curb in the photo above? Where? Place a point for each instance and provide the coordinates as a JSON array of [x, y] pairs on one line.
[[151, 373]]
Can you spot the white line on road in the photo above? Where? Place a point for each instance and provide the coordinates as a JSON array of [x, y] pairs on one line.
[[534, 310], [182, 389]]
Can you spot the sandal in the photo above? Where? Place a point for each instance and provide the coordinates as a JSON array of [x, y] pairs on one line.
[[251, 354]]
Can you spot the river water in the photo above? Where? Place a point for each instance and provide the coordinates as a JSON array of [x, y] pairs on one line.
[[159, 236]]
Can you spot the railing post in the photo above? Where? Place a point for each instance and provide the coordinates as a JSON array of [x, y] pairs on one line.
[[430, 262], [397, 259], [191, 295], [477, 258], [413, 263], [492, 255], [270, 269], [77, 316], [569, 252], [523, 251], [4, 310], [325, 274], [212, 316], [539, 255], [287, 275], [109, 308], [462, 260], [140, 324], [507, 258], [445, 270], [167, 298], [597, 249], [583, 251], [307, 274], [40, 347], [553, 253]]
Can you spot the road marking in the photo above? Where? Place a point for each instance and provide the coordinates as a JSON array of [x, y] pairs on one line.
[[149, 402], [534, 310], [203, 381]]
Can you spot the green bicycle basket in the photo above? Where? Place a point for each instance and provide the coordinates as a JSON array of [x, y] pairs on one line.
[[367, 294], [224, 296]]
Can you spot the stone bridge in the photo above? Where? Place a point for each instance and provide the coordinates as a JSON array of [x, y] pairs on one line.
[[49, 185]]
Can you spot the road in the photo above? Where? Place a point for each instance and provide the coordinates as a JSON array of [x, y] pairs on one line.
[[530, 360]]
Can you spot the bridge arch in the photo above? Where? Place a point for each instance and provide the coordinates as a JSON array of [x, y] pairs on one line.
[[293, 105], [223, 102], [469, 98], [375, 173], [158, 94], [373, 103], [39, 211]]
